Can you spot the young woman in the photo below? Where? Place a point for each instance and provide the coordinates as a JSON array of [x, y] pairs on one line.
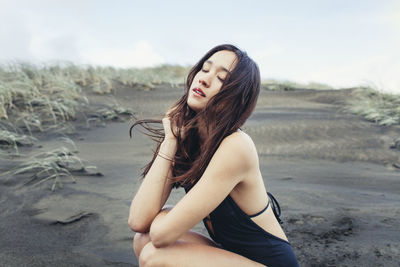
[[203, 150]]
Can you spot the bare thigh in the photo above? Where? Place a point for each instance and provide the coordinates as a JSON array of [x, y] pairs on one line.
[[192, 249], [182, 253], [141, 239]]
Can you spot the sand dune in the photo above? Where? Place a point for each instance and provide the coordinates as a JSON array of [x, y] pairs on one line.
[[332, 172]]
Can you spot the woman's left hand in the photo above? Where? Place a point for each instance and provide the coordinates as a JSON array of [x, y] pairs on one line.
[[170, 125], [169, 135]]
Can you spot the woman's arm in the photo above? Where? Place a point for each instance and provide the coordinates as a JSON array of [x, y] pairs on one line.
[[156, 187], [229, 166]]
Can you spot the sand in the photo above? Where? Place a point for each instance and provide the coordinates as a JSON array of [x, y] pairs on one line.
[[332, 173]]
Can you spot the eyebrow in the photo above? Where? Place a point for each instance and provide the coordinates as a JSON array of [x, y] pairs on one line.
[[221, 68]]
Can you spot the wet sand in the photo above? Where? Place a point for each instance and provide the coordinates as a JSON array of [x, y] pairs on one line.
[[332, 173]]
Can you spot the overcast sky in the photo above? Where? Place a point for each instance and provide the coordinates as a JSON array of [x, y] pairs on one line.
[[340, 42]]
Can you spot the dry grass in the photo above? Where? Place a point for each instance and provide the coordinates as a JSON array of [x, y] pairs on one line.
[[11, 141], [377, 107], [55, 164], [35, 99], [104, 80], [42, 98], [381, 108], [277, 85]]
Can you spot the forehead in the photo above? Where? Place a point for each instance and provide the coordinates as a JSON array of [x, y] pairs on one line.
[[225, 59]]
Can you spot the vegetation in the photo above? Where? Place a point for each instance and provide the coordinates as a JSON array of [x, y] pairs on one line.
[[276, 85], [51, 165], [11, 141], [36, 99], [381, 108], [43, 98]]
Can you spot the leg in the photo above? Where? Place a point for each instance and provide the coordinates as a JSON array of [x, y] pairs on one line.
[[192, 249], [183, 253], [141, 239]]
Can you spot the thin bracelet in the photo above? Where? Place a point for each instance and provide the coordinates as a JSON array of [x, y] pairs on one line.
[[164, 157]]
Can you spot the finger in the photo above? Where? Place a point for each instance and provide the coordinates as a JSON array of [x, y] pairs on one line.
[[167, 127]]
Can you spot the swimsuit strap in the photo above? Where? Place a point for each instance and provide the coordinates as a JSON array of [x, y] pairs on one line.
[[258, 213], [275, 205]]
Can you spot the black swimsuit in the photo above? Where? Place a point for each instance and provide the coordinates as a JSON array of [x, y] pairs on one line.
[[235, 231]]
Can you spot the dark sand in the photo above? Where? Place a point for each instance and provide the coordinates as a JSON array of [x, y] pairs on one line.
[[332, 173]]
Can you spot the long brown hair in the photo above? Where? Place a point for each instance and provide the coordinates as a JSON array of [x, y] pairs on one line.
[[223, 115]]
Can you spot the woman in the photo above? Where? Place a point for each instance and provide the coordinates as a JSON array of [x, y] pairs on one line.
[[204, 151]]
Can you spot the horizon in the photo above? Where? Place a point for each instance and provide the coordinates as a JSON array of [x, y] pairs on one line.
[[341, 44]]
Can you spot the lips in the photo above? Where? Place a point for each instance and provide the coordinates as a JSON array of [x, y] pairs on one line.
[[199, 91]]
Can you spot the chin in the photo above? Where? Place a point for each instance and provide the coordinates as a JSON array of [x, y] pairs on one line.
[[194, 106]]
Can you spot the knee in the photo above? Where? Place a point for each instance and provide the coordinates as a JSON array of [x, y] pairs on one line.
[[139, 241], [147, 256]]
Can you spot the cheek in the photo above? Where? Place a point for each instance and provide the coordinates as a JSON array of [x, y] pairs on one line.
[[196, 79], [216, 90]]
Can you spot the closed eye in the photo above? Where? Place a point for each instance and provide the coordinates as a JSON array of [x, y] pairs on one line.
[[222, 80]]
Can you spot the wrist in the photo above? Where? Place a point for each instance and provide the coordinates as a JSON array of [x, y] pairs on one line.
[[168, 147], [171, 139]]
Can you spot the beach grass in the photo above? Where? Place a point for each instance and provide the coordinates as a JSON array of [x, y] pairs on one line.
[[34, 98], [12, 140], [104, 80], [51, 165], [43, 97], [285, 85], [375, 106]]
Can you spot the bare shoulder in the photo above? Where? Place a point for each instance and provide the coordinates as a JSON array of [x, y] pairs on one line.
[[241, 146]]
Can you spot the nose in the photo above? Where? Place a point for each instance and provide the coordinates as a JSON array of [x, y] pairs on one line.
[[205, 80], [202, 82]]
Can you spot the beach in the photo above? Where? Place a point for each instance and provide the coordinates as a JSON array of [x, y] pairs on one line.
[[333, 173]]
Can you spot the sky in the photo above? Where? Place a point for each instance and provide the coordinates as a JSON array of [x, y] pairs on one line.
[[338, 42]]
